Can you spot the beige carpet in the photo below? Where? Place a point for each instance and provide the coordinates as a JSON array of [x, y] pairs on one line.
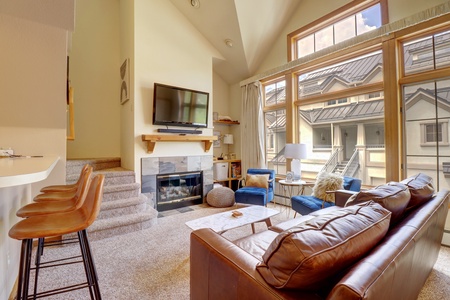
[[154, 263]]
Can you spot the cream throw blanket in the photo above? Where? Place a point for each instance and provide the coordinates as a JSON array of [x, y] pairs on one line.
[[327, 182]]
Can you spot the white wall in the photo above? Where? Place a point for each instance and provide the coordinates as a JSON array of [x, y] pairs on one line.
[[168, 50], [94, 75]]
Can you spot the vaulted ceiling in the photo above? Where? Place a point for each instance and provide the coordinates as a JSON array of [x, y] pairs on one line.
[[251, 26]]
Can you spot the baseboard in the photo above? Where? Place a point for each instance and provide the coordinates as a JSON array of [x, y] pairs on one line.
[[446, 238], [13, 294]]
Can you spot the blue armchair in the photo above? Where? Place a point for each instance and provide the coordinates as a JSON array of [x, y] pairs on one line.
[[256, 194], [305, 205]]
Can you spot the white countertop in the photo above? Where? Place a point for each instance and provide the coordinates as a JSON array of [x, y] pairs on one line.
[[23, 170]]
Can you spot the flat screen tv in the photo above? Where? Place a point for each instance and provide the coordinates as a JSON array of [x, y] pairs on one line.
[[176, 106]]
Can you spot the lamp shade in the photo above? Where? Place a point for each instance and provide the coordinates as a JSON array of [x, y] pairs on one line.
[[228, 139], [295, 151]]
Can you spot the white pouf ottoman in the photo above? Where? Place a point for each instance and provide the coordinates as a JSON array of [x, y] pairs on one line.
[[220, 197]]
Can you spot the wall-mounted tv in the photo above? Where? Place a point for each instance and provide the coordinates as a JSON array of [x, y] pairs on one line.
[[176, 106]]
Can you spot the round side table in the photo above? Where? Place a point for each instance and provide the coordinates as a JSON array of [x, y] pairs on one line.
[[288, 188]]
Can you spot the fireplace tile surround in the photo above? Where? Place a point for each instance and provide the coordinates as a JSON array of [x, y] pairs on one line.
[[152, 166]]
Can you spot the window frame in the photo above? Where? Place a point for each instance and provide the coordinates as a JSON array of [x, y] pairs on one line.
[[333, 17]]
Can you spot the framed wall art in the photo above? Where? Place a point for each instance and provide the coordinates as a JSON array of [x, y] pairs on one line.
[[125, 81]]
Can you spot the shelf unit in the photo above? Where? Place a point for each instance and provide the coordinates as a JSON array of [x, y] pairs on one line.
[[151, 140], [234, 173], [223, 122]]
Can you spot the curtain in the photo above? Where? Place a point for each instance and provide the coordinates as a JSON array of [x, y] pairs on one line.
[[252, 128]]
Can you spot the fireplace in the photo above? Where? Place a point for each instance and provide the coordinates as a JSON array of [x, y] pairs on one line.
[[178, 190]]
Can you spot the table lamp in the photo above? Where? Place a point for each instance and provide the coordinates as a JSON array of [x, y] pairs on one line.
[[295, 152], [228, 140]]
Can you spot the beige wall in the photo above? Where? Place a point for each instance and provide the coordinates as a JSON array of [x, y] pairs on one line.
[[33, 106], [94, 75], [222, 107], [174, 54]]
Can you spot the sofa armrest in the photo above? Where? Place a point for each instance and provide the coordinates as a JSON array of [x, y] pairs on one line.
[[341, 197], [221, 270]]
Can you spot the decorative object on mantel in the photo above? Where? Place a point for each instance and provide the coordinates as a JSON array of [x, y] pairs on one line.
[[125, 81], [151, 140]]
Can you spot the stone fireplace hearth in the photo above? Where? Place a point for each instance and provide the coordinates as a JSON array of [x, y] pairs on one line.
[[152, 167]]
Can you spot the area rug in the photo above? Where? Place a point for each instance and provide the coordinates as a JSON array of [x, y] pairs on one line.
[[154, 263]]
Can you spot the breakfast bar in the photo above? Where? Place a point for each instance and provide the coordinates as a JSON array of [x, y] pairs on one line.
[[16, 176]]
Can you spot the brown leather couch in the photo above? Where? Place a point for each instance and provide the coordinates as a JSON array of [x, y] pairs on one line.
[[306, 258]]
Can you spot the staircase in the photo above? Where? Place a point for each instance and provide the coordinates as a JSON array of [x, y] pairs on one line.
[[124, 209], [339, 167]]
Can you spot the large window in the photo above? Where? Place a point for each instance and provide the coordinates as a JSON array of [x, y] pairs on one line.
[[337, 27], [427, 106], [428, 53], [357, 71], [276, 140]]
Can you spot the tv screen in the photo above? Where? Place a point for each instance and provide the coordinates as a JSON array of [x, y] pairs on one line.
[[179, 106]]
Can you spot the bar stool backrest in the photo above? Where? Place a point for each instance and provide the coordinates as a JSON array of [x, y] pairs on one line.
[[82, 189], [91, 206]]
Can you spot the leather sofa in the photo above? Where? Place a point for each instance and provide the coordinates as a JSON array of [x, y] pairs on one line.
[[363, 254]]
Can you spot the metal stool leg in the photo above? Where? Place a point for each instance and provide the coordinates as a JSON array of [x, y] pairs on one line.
[[91, 264]]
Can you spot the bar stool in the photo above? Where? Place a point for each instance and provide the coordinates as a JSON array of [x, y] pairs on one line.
[[58, 224], [64, 195], [66, 187], [62, 205]]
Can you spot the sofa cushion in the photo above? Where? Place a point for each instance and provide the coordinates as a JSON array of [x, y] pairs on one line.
[[393, 196], [257, 244], [326, 182], [280, 227], [421, 189], [306, 255]]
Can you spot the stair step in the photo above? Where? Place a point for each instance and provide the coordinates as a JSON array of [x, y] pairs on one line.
[[115, 208], [122, 191], [124, 209], [74, 166], [104, 228]]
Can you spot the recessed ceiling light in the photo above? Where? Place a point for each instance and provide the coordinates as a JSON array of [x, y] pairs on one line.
[[195, 3], [229, 43]]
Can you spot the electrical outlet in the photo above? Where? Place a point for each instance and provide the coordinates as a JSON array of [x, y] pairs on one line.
[[6, 152]]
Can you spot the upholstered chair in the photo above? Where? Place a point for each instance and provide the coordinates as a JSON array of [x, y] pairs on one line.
[[305, 205], [258, 187]]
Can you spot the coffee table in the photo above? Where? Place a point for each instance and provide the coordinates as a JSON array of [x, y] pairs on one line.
[[224, 221]]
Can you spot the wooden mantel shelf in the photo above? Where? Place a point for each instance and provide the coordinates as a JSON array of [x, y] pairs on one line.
[[151, 140]]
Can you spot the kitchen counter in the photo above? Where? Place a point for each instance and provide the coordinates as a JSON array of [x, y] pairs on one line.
[[17, 175], [25, 170]]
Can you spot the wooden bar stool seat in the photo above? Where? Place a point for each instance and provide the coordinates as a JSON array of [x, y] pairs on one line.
[[64, 188], [66, 195], [59, 224], [62, 205]]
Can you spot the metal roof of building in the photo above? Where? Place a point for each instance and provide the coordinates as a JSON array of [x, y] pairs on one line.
[[351, 111]]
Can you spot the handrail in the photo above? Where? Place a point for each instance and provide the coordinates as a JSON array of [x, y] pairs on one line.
[[332, 161], [352, 162]]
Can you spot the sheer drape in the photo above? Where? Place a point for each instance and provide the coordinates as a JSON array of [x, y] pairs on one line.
[[252, 127]]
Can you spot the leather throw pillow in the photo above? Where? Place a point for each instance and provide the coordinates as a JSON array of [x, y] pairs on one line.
[[305, 256], [421, 189], [261, 181], [393, 196]]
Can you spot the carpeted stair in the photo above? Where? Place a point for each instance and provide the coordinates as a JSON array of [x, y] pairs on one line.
[[124, 209]]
